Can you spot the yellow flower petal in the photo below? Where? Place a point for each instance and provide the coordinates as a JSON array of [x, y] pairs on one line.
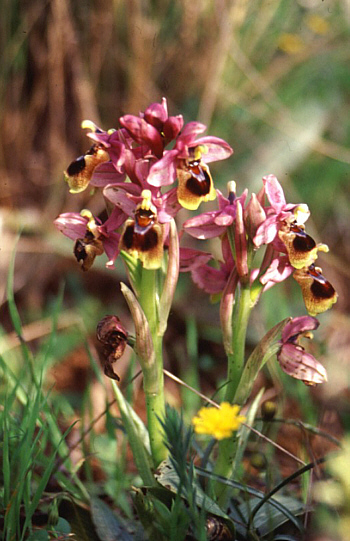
[[218, 422]]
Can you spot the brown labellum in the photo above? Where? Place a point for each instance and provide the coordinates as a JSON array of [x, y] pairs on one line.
[[86, 249], [195, 185], [318, 293], [143, 238], [79, 172]]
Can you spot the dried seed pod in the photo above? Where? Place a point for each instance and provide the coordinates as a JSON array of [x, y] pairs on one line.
[[113, 335]]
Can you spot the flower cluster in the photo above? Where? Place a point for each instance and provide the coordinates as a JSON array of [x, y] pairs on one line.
[[133, 166], [137, 165], [245, 227]]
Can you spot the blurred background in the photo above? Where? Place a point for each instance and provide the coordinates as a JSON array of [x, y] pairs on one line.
[[271, 77]]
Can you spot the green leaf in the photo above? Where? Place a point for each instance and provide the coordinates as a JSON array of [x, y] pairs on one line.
[[15, 317], [245, 431], [39, 535], [137, 435], [43, 482], [134, 267], [168, 478], [62, 526], [267, 347], [79, 519], [108, 526], [258, 497], [270, 517]]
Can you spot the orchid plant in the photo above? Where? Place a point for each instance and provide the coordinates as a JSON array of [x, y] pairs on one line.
[[148, 169]]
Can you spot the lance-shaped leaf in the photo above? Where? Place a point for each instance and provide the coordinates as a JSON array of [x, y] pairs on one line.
[[267, 347], [134, 270], [171, 278], [144, 343], [137, 435]]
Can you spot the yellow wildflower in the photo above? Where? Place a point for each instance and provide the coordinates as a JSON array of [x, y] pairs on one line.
[[218, 422]]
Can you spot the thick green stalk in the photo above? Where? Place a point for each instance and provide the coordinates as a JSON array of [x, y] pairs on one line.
[[153, 379], [228, 447], [239, 331]]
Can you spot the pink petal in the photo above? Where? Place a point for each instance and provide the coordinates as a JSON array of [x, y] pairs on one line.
[[72, 225], [274, 192], [113, 222], [111, 247], [123, 196], [172, 127], [168, 206], [226, 218], [106, 173], [204, 226], [191, 259], [299, 325], [143, 133], [218, 149], [163, 172], [211, 280], [254, 215], [299, 364], [156, 114], [116, 151], [266, 232], [279, 270], [240, 242], [222, 200], [190, 132]]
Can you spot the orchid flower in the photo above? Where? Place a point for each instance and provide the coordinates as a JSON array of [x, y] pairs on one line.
[[188, 161], [91, 237], [293, 358], [278, 213]]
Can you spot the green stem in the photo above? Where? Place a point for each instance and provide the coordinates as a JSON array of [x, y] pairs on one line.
[[228, 447], [239, 331], [153, 378]]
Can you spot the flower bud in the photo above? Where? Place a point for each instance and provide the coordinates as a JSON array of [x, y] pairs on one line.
[[240, 243], [254, 215], [156, 114], [268, 410]]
